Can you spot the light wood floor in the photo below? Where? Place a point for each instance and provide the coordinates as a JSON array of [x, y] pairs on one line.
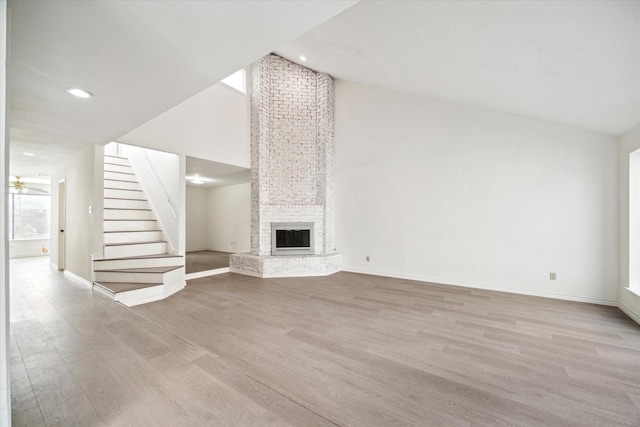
[[197, 261], [347, 350]]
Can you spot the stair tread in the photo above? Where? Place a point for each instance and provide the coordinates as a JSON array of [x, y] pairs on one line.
[[121, 189], [129, 219], [135, 243], [120, 180], [132, 231], [141, 257], [116, 164], [108, 167], [132, 219], [123, 198], [117, 287], [142, 269], [128, 209], [123, 173], [115, 157]]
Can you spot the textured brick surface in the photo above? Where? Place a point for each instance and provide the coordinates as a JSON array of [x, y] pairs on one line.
[[291, 164], [285, 266]]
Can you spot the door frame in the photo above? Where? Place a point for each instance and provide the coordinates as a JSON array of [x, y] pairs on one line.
[[62, 224]]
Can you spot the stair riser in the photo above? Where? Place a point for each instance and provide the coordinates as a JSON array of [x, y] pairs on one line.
[[130, 225], [132, 236], [124, 185], [122, 193], [108, 276], [126, 204], [127, 214], [116, 160], [118, 168], [120, 176], [135, 250], [106, 264]]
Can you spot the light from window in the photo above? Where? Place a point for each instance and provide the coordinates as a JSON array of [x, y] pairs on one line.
[[237, 81], [29, 218]]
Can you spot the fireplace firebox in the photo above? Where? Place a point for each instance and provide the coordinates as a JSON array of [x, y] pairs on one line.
[[292, 238]]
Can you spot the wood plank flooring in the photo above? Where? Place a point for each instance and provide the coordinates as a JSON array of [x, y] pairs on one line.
[[346, 350], [197, 261]]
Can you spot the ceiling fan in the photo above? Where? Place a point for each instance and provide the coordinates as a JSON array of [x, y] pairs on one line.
[[20, 187]]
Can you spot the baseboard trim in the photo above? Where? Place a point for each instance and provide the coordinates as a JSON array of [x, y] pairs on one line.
[[206, 273], [102, 291], [284, 275], [147, 295], [77, 278], [576, 298], [321, 274], [245, 273], [27, 255], [629, 313]]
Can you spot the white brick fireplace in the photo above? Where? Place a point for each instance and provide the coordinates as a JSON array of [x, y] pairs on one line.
[[291, 167]]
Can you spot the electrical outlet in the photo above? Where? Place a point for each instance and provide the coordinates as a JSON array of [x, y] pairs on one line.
[[367, 258], [552, 276]]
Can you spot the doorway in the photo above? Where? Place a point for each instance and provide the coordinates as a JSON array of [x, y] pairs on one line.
[[62, 223]]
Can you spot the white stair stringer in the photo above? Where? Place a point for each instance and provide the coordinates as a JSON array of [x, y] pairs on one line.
[[136, 267]]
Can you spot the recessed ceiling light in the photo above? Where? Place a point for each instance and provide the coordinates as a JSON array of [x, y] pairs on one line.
[[79, 92], [197, 179], [28, 154], [303, 58]]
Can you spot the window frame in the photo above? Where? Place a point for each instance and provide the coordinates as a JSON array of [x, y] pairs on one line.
[[12, 216]]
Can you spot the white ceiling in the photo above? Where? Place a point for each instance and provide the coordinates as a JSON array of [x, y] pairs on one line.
[[139, 58], [576, 63], [216, 174], [570, 62]]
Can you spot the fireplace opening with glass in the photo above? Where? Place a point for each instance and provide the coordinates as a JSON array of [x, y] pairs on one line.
[[292, 238]]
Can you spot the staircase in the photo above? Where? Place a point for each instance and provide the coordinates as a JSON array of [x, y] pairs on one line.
[[136, 267]]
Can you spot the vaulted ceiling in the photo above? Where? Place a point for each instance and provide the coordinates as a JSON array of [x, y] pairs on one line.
[[138, 58], [575, 63], [571, 62]]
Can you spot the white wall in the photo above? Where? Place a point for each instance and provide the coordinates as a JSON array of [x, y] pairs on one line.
[[441, 192], [159, 175], [628, 301], [197, 218], [212, 125], [29, 247], [84, 183], [230, 218]]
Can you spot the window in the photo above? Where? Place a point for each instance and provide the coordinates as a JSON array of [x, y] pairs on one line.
[[29, 216], [237, 81]]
